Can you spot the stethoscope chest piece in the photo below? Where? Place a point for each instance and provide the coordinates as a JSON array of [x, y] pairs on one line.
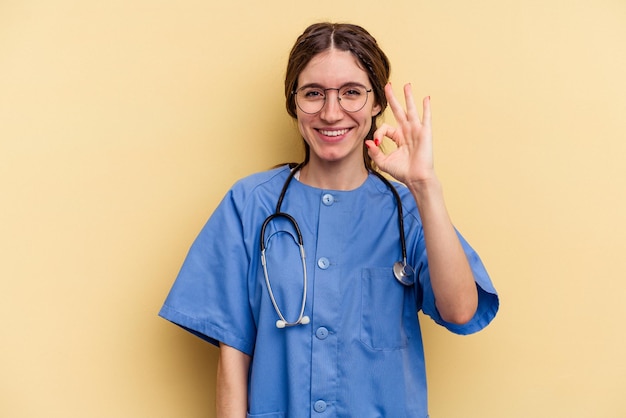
[[404, 273]]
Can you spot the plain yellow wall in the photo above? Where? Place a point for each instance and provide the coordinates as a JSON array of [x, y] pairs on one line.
[[122, 124]]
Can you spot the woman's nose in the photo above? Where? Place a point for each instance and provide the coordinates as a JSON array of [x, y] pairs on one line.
[[332, 110]]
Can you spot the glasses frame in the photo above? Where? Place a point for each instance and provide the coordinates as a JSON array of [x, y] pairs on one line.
[[337, 89]]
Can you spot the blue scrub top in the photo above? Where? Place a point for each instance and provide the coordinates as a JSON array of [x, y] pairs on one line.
[[362, 353]]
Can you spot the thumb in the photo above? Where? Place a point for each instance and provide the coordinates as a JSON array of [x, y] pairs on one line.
[[375, 153]]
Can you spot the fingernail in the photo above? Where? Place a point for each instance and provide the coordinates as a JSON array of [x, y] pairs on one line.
[[377, 141]]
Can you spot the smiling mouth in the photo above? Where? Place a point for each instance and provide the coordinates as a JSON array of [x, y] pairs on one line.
[[337, 132]]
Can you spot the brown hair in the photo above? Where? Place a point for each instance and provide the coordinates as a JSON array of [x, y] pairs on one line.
[[321, 37]]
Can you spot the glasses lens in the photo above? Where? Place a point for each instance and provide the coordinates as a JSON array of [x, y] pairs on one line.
[[351, 98], [310, 99]]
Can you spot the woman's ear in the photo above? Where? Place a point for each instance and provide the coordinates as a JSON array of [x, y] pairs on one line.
[[376, 110]]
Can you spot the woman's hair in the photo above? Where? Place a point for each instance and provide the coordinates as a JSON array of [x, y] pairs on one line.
[[321, 37]]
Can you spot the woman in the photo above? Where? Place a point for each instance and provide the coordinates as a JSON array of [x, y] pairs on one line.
[[333, 333]]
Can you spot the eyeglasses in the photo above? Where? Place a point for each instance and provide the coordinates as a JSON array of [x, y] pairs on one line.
[[351, 98]]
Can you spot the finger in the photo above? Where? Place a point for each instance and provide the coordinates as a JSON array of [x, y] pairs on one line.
[[375, 153], [396, 106], [411, 109], [427, 114], [387, 131]]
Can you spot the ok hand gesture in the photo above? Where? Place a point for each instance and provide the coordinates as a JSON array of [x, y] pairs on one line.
[[412, 161]]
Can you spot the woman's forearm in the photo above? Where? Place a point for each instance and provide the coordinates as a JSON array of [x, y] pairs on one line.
[[232, 383], [451, 276]]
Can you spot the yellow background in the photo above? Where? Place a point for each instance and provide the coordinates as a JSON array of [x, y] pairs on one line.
[[123, 123]]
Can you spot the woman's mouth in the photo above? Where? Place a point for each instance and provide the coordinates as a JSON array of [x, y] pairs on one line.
[[333, 132]]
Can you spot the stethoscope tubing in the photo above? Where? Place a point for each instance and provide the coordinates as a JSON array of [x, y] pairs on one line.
[[282, 322], [396, 195], [403, 272]]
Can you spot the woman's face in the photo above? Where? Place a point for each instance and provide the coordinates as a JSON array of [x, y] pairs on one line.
[[333, 134]]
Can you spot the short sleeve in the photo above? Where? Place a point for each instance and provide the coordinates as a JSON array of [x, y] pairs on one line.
[[488, 300], [210, 295]]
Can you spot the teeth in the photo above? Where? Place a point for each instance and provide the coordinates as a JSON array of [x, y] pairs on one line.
[[334, 133]]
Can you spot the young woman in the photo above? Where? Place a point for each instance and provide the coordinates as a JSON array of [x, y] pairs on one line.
[[309, 278]]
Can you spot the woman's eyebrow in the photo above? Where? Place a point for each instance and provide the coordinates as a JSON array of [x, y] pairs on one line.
[[318, 85]]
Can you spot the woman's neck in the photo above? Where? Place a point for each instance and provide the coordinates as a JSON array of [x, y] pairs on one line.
[[333, 176]]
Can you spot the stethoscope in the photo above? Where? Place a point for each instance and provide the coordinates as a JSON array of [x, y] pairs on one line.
[[404, 273]]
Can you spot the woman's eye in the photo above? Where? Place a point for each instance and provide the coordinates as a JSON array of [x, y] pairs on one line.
[[351, 92], [313, 94]]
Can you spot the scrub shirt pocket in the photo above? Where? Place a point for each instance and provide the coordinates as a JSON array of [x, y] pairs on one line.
[[382, 315], [270, 415]]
